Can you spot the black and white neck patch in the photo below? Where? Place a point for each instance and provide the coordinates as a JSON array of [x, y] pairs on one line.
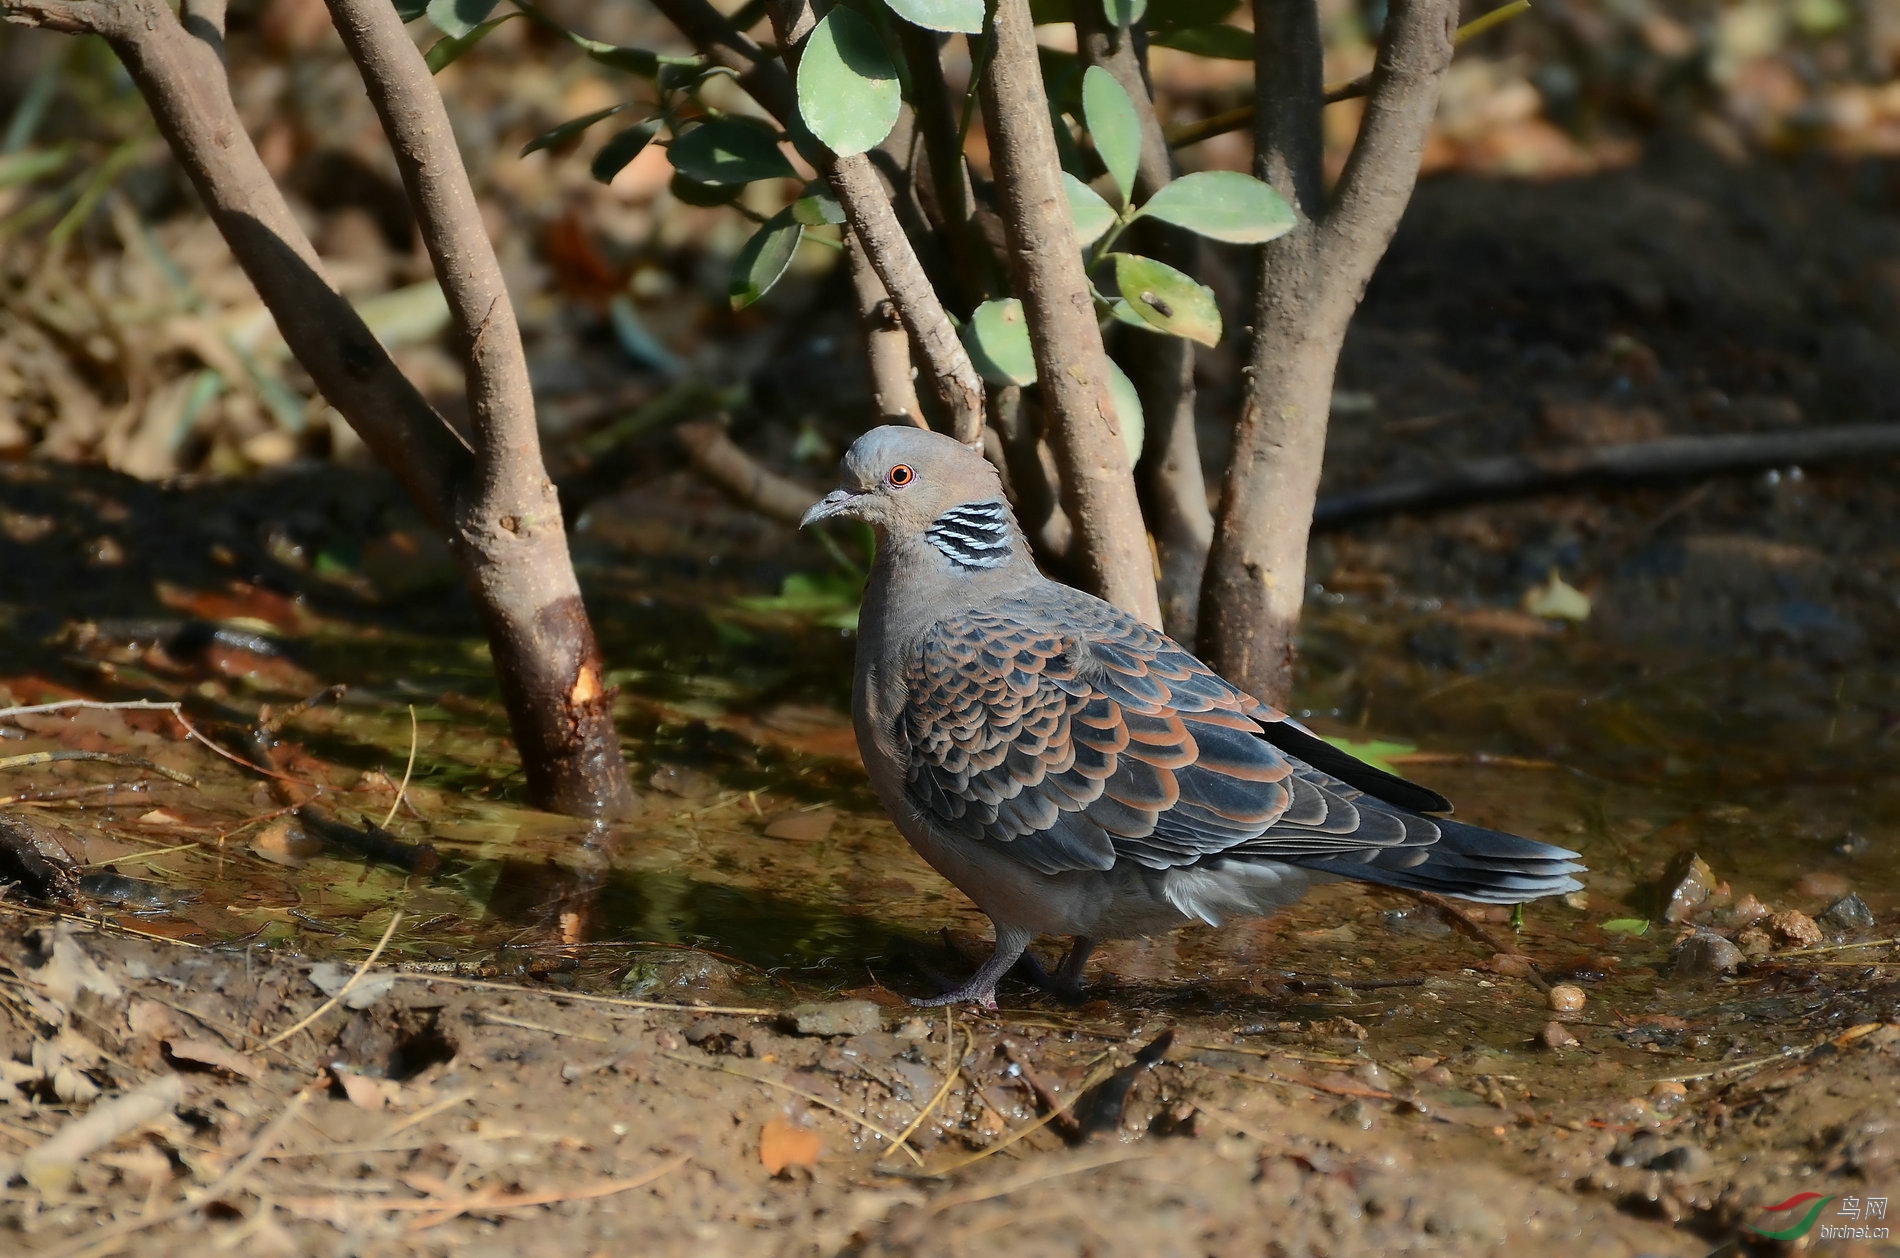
[[974, 535]]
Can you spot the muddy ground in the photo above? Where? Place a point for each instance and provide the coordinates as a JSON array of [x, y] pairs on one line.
[[577, 1040]]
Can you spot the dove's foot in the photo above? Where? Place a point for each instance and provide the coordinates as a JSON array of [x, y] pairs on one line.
[[981, 989]]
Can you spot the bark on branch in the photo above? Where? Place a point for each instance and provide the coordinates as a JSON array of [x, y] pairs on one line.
[[1110, 546], [1309, 283], [508, 531]]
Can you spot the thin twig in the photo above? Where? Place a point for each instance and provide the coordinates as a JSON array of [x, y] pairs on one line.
[[31, 758]]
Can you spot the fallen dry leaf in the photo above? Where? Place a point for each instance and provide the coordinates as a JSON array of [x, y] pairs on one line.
[[217, 1056], [782, 1145]]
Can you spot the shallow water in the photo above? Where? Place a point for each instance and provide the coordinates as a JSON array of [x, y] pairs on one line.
[[762, 845]]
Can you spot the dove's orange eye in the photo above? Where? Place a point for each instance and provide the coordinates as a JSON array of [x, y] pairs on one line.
[[901, 475]]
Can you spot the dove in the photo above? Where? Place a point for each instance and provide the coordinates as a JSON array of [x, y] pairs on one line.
[[1076, 772]]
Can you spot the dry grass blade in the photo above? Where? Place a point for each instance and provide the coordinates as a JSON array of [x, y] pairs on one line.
[[395, 919], [484, 1202], [1101, 1068], [499, 1019], [613, 1001], [407, 772], [813, 1097], [950, 1072], [1039, 1175], [31, 758], [108, 1239]]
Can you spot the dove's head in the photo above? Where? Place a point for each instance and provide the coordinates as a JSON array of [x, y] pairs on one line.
[[913, 484], [900, 479]]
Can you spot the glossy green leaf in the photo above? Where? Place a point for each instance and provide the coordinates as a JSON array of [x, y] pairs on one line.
[[568, 130], [1128, 416], [410, 10], [623, 148], [1091, 215], [848, 92], [692, 192], [1125, 313], [965, 16], [449, 49], [764, 258], [1114, 126], [1124, 12], [1176, 15], [638, 61], [456, 18], [1627, 926], [727, 152], [817, 207], [1223, 205], [1176, 303], [997, 337], [1228, 43]]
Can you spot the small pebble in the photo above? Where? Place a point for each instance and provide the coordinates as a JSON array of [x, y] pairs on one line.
[[1510, 965], [669, 1039], [1706, 954], [1850, 912], [833, 1017], [1687, 885], [1754, 942], [1437, 1076], [1668, 1094], [1748, 910], [1565, 998], [1556, 1035], [912, 1029], [1796, 928]]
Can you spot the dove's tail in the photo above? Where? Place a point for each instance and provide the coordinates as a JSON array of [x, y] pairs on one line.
[[1468, 862]]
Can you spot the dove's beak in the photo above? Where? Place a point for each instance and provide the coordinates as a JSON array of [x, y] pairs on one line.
[[838, 503]]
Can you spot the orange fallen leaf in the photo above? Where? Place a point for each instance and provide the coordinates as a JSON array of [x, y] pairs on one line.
[[782, 1145]]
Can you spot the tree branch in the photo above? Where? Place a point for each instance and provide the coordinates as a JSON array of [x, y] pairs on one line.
[[722, 462], [1045, 263], [1518, 475], [886, 345], [181, 76], [1288, 97], [508, 530], [1401, 99], [763, 78], [1169, 478]]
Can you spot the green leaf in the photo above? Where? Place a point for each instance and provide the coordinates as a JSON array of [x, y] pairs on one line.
[[1626, 926], [848, 92], [817, 207], [632, 60], [1091, 215], [692, 192], [1223, 205], [1125, 313], [410, 10], [965, 16], [997, 336], [568, 130], [456, 18], [764, 258], [1376, 753], [1228, 43], [1124, 12], [1178, 14], [623, 148], [727, 152], [829, 599], [449, 49], [1128, 416], [1176, 303], [1112, 122]]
